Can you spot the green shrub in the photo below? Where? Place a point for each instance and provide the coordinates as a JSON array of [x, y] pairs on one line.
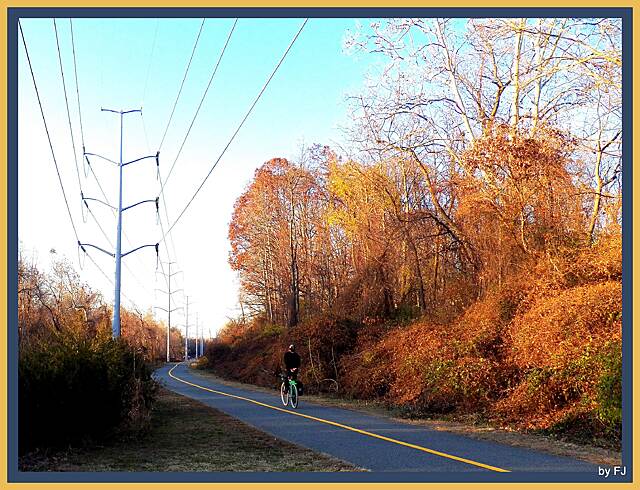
[[272, 330], [609, 387], [73, 391], [201, 363], [405, 314]]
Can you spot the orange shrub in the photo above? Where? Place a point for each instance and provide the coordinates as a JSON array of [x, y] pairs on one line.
[[549, 273], [557, 329], [436, 367], [367, 373], [541, 350], [567, 347]]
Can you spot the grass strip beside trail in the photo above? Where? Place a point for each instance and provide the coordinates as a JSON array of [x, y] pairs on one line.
[[186, 435]]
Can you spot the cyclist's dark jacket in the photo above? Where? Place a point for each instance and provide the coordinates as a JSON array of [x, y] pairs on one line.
[[291, 360]]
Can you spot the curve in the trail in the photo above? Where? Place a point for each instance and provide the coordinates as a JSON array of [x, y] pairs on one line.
[[343, 426], [368, 441]]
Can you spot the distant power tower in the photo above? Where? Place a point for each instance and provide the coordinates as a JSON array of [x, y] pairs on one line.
[[118, 255], [186, 332], [202, 338], [169, 310], [199, 338]]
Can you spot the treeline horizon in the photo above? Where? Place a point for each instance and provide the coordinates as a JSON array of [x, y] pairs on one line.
[[57, 303]]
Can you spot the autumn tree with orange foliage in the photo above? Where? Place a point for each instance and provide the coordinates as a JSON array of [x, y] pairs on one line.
[[59, 304], [467, 256], [277, 237]]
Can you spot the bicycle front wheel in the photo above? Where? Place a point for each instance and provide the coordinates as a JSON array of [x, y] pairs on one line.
[[293, 395], [284, 395]]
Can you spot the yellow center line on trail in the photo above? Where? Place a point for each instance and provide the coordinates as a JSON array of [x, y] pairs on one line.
[[342, 426]]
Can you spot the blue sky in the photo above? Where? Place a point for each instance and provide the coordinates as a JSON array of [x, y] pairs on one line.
[[120, 67]]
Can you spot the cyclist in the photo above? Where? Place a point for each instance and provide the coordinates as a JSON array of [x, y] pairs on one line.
[[291, 363]]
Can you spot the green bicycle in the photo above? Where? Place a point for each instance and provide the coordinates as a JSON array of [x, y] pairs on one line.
[[289, 396]]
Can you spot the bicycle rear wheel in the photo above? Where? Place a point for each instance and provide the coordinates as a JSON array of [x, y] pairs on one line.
[[293, 395], [284, 395]]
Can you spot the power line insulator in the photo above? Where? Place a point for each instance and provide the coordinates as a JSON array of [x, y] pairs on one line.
[[86, 164], [83, 205], [81, 257]]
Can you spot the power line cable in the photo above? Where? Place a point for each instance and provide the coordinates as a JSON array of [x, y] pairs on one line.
[[146, 137], [164, 202], [73, 139], [165, 209], [44, 121], [164, 205], [75, 69], [166, 248], [104, 234], [165, 276], [66, 101], [153, 48], [106, 200], [184, 78], [106, 276], [104, 194], [238, 128], [166, 214], [215, 70], [99, 268]]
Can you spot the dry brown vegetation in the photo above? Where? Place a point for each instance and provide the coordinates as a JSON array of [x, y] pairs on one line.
[[58, 303], [465, 256], [71, 370], [538, 352]]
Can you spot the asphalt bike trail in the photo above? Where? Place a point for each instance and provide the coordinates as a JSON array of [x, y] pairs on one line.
[[376, 443]]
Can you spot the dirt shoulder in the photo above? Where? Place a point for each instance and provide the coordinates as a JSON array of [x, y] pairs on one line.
[[186, 435], [474, 430]]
